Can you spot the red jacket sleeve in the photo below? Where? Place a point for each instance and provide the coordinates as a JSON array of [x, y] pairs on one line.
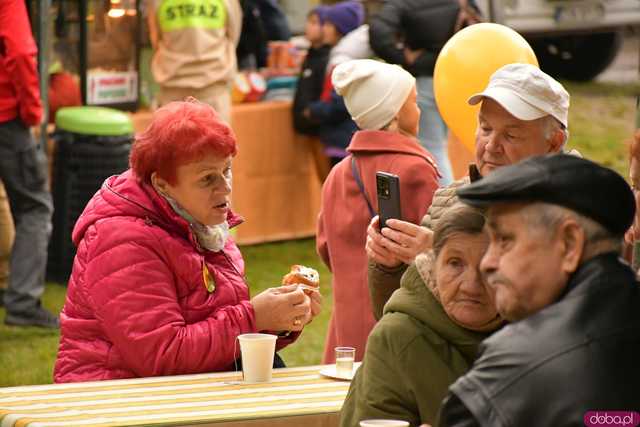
[[135, 300], [18, 54]]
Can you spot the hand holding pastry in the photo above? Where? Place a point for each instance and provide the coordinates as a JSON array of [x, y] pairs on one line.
[[285, 308], [307, 278]]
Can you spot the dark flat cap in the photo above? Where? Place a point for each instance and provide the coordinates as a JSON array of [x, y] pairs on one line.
[[581, 185]]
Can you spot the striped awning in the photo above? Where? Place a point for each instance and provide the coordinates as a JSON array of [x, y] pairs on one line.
[[175, 400]]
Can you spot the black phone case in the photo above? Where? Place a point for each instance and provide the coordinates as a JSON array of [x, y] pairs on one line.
[[388, 191]]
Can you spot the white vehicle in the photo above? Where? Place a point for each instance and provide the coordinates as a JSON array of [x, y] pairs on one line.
[[574, 39]]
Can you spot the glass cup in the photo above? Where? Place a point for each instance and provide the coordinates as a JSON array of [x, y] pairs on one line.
[[344, 361]]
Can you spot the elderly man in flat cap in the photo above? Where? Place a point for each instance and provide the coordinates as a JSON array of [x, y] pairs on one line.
[[572, 348], [524, 112]]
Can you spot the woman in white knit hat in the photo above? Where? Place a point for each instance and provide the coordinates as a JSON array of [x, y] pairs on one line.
[[381, 99]]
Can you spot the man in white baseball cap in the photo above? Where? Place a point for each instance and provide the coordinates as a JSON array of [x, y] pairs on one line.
[[527, 93], [523, 113]]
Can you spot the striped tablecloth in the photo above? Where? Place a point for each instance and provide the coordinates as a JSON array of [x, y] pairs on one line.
[[296, 396]]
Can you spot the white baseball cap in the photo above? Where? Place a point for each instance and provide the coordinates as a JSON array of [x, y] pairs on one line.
[[527, 93]]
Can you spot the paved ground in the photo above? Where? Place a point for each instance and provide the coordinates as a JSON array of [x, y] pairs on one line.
[[624, 68]]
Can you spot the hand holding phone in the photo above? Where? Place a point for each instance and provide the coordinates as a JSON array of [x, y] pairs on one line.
[[388, 190]]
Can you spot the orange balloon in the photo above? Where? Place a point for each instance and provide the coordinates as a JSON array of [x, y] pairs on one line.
[[464, 67]]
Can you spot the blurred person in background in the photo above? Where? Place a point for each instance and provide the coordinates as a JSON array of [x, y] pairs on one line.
[[344, 31], [7, 234], [23, 169], [411, 33], [158, 285], [262, 21], [195, 50], [64, 90], [311, 77]]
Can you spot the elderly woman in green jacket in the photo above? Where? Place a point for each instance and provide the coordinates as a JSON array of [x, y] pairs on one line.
[[430, 330]]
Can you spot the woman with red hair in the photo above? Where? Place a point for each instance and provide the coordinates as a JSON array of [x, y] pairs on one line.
[[158, 286]]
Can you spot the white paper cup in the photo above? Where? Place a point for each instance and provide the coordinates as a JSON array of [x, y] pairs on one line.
[[257, 352], [384, 423]]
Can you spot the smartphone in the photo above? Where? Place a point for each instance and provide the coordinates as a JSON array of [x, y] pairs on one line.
[[388, 190]]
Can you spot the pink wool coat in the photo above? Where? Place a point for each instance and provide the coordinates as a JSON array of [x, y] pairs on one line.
[[343, 221], [137, 304]]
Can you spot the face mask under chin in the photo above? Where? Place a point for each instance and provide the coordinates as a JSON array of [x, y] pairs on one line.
[[210, 237]]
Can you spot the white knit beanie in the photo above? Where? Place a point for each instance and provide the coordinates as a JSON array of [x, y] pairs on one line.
[[373, 91]]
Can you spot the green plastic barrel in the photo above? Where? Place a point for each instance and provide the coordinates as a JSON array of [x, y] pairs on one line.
[[92, 144], [88, 120]]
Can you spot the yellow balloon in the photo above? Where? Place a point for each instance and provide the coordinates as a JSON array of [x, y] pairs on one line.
[[464, 66]]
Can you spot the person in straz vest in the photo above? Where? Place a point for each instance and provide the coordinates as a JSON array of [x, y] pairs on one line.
[[194, 45]]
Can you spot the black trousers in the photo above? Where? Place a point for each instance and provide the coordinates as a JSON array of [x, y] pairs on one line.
[[23, 170]]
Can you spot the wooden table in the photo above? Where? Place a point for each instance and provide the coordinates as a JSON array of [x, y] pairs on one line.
[[295, 397]]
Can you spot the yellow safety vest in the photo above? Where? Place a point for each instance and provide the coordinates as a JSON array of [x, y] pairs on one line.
[[181, 14]]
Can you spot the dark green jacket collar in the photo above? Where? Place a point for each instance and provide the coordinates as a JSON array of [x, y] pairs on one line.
[[416, 300]]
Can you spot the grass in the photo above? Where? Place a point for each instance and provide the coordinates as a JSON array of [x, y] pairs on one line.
[[601, 122], [265, 265]]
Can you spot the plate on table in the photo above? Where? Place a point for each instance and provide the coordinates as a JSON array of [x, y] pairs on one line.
[[330, 371]]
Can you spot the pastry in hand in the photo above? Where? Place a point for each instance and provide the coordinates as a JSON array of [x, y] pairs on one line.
[[308, 278]]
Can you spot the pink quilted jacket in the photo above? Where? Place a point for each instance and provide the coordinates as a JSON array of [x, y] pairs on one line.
[[137, 304]]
